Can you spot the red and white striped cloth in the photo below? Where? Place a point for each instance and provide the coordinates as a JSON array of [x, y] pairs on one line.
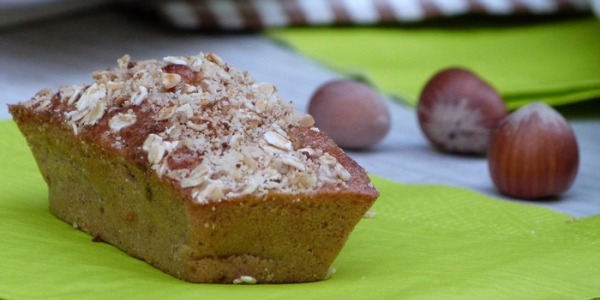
[[243, 14], [255, 14]]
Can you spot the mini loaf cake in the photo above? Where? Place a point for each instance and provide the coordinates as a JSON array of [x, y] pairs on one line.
[[197, 169]]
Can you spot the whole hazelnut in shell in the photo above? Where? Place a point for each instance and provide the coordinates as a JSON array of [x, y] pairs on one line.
[[533, 153], [457, 111], [352, 113]]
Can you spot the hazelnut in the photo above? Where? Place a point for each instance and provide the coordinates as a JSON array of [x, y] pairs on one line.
[[351, 113], [533, 153], [187, 75], [457, 111]]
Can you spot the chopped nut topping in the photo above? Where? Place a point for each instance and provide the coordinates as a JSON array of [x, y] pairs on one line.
[[292, 161], [175, 60], [266, 88], [155, 147], [278, 141], [71, 93], [123, 62], [196, 177], [165, 113], [185, 110], [308, 152], [140, 96], [111, 85], [213, 191], [307, 121], [185, 73], [209, 128], [120, 121], [170, 80], [215, 58]]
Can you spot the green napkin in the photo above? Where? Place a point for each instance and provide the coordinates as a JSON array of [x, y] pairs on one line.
[[425, 242], [556, 61]]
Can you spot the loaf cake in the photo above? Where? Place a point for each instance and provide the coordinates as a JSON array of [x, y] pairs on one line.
[[197, 169]]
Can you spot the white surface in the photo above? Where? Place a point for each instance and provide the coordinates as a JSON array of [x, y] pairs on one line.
[[67, 51]]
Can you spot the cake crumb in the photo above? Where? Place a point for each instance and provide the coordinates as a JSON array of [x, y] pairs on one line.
[[571, 220], [330, 272], [370, 214], [245, 279]]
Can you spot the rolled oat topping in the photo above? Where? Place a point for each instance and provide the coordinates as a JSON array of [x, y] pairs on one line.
[[218, 133]]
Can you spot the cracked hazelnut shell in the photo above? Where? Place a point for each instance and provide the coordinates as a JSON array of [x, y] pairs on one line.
[[458, 110], [533, 153]]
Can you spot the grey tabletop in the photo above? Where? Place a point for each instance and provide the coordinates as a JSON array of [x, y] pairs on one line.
[[66, 50]]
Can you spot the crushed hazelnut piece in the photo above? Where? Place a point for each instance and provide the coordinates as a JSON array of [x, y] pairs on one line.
[[278, 141], [170, 80], [307, 121], [121, 120]]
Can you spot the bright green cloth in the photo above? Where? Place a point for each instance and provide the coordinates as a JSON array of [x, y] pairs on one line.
[[556, 62], [425, 242]]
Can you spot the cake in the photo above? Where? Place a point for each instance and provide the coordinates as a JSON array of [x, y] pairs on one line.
[[197, 169]]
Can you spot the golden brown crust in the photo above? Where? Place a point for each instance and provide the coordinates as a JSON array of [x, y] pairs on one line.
[[106, 184]]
